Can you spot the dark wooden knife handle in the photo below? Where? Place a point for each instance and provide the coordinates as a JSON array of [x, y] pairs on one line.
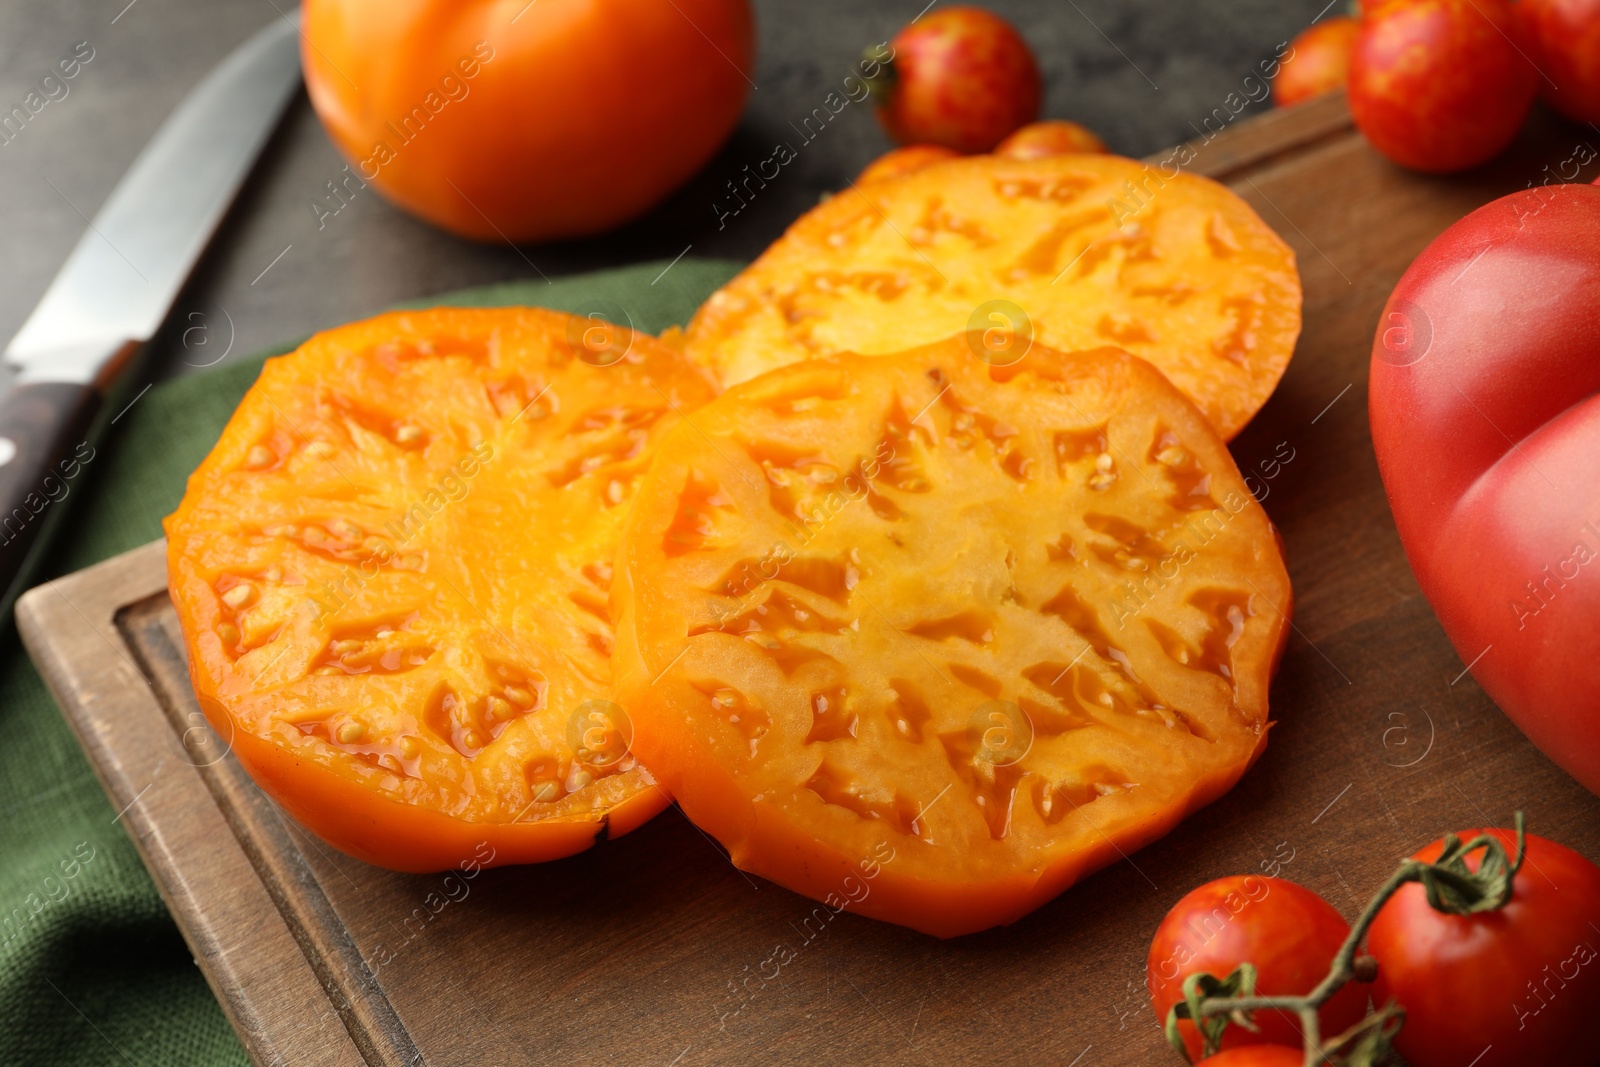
[[44, 441]]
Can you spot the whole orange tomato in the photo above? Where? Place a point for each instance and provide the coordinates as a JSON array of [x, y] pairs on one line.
[[1565, 35], [1053, 137], [1318, 62], [563, 118], [961, 77], [1441, 85]]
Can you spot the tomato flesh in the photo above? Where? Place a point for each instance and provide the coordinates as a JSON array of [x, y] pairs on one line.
[[392, 574], [1010, 622], [1077, 251]]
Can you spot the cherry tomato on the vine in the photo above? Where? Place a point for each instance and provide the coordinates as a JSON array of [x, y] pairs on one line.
[[1288, 932], [1515, 986], [1257, 1056], [961, 77], [1441, 85]]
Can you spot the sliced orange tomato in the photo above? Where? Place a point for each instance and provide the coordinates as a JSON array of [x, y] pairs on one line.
[[930, 636], [393, 574], [1079, 250], [898, 161]]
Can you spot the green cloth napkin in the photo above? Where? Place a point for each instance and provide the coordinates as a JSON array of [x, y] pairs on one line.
[[92, 969]]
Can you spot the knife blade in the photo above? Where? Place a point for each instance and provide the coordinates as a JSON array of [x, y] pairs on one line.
[[120, 281]]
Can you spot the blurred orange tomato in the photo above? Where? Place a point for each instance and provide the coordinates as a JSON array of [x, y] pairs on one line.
[[1440, 85], [898, 161], [1565, 35], [1053, 137], [502, 121], [1318, 63]]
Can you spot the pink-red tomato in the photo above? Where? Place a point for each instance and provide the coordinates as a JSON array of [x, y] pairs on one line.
[[1486, 423], [1564, 36], [1515, 987], [962, 77], [1441, 85], [1286, 930], [1318, 62]]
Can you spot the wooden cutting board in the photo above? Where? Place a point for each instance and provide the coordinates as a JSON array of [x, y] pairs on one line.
[[653, 949]]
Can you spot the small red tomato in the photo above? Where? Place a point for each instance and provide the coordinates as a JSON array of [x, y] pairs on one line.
[[1515, 986], [898, 161], [1318, 62], [961, 77], [1441, 85], [1258, 1056], [1053, 137], [1287, 931], [1565, 39]]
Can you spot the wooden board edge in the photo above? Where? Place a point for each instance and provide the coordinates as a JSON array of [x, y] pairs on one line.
[[256, 948]]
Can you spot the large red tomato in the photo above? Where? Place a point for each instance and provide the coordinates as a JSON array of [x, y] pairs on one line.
[[1258, 1056], [526, 122], [1440, 85], [1514, 987], [1565, 39], [1486, 424], [1287, 931]]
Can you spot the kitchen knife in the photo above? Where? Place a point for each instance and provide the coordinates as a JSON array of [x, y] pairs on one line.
[[121, 279]]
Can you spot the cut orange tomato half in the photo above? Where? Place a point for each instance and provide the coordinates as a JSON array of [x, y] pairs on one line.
[[1074, 251], [393, 575], [929, 637]]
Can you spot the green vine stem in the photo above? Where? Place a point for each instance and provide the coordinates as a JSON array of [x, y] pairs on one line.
[[1451, 887]]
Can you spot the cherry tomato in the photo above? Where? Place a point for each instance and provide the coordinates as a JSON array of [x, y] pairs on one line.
[[1318, 63], [1286, 930], [1515, 986], [962, 77], [1258, 1056], [1565, 39], [1486, 424], [898, 161], [1441, 85], [559, 120], [1053, 137]]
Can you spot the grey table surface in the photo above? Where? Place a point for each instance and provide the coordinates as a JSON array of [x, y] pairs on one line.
[[1143, 73]]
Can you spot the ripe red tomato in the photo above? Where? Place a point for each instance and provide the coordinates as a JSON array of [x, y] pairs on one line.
[[962, 77], [1565, 40], [1258, 1056], [1287, 931], [1515, 986], [559, 120], [1318, 62], [1441, 85], [1053, 137], [1486, 424]]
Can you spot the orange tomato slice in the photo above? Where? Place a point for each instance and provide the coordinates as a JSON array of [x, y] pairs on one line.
[[930, 637], [393, 575], [1075, 251]]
